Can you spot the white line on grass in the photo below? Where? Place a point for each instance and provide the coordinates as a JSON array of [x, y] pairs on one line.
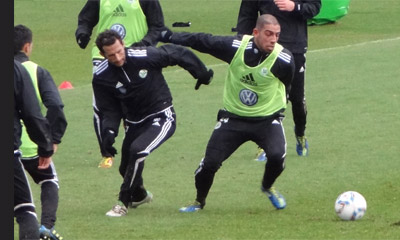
[[354, 45], [311, 51]]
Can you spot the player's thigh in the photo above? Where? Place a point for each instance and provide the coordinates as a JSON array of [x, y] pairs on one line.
[[152, 135], [225, 139], [273, 139]]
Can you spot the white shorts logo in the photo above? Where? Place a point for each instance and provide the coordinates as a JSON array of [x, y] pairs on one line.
[[248, 97]]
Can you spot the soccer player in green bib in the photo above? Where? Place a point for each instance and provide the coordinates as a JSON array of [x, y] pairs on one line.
[[255, 96]]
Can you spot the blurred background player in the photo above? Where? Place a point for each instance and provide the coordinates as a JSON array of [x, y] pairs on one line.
[[138, 23], [292, 15], [27, 109], [50, 99]]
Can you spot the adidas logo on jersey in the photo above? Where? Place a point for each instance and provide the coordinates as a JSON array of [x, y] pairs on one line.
[[248, 79], [119, 11]]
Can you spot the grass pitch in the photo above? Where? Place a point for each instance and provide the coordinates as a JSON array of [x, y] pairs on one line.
[[352, 91]]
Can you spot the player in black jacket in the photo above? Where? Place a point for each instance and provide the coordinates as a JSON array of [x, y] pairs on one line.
[[260, 72], [50, 98], [26, 108], [292, 15], [130, 83], [129, 18]]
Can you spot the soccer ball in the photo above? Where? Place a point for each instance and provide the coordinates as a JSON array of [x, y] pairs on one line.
[[350, 205]]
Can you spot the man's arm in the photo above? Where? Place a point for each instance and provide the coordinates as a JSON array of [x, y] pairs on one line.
[[183, 57], [109, 106], [155, 21], [87, 20], [221, 47], [247, 17], [52, 101]]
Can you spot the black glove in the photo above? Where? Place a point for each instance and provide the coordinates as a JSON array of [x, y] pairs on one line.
[[83, 40], [204, 79], [165, 35], [108, 141]]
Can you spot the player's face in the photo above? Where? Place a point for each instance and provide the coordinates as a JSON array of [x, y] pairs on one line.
[[115, 53], [266, 37]]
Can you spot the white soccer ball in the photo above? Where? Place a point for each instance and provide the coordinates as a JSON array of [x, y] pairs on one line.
[[350, 205]]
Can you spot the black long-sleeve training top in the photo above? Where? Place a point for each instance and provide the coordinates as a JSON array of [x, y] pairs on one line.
[[139, 84]]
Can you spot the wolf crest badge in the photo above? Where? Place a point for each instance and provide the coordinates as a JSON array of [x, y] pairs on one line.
[[143, 73], [264, 72]]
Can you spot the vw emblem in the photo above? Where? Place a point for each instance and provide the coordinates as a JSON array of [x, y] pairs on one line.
[[120, 29], [248, 97]]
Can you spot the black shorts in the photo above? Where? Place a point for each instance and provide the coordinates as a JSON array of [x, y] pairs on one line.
[[23, 200], [40, 175]]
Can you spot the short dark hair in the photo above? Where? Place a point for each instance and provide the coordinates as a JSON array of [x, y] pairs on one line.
[[266, 19], [107, 38], [22, 35]]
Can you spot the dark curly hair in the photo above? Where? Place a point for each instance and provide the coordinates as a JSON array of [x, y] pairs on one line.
[[107, 38]]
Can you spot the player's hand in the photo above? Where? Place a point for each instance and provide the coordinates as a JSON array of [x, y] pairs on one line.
[[83, 40], [44, 162], [165, 35], [204, 79], [285, 5], [55, 147], [108, 141]]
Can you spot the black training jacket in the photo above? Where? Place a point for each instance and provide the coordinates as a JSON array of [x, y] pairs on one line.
[[26, 107], [139, 84], [293, 24]]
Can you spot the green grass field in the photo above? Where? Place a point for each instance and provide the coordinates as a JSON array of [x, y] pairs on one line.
[[353, 129]]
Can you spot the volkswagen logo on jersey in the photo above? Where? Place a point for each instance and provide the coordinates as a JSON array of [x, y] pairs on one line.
[[248, 97], [120, 29], [143, 73]]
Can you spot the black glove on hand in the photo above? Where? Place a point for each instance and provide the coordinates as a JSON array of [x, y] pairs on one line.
[[108, 141], [83, 40], [204, 79], [165, 35]]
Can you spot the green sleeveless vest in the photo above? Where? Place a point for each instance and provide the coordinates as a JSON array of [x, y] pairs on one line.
[[253, 91], [125, 17], [28, 147]]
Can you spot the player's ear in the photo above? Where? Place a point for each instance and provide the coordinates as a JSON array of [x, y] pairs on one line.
[[255, 32]]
